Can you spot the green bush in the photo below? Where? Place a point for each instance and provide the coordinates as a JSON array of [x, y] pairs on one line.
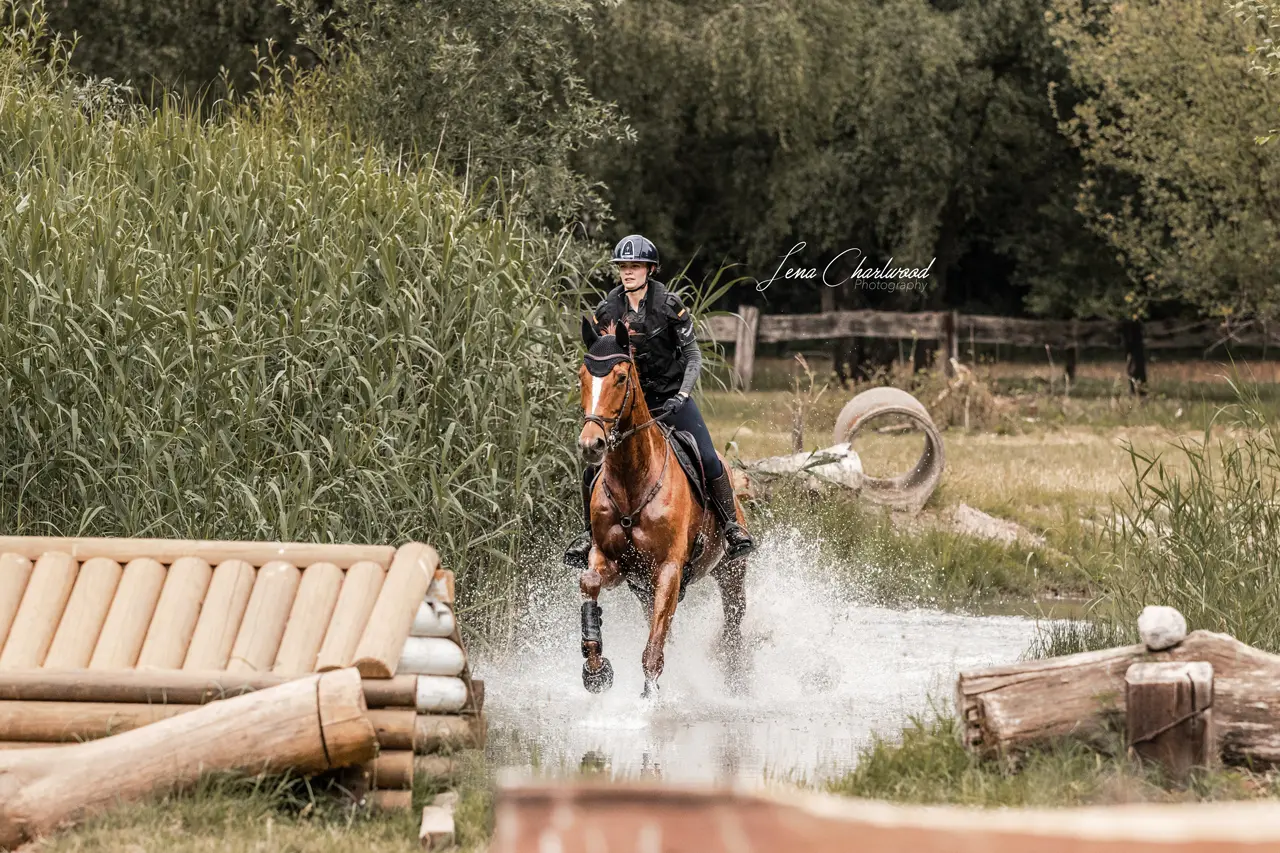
[[250, 326]]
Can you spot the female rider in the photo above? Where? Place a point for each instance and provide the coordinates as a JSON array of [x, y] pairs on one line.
[[668, 360]]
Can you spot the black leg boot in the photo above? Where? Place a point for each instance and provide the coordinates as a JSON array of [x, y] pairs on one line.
[[738, 542], [575, 556]]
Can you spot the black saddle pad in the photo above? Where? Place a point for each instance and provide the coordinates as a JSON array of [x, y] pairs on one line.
[[686, 450]]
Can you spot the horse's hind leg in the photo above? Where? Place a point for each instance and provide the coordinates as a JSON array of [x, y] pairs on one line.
[[666, 592], [731, 577], [601, 573]]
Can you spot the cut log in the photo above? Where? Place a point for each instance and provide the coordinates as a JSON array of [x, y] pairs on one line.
[[15, 571], [391, 770], [38, 615], [1011, 707], [173, 687], [309, 619], [411, 573], [220, 617], [440, 694], [174, 622], [265, 618], [1169, 714], [212, 551], [359, 592], [436, 831], [82, 621], [433, 620], [390, 801], [431, 656], [308, 725], [426, 733], [69, 722], [123, 633]]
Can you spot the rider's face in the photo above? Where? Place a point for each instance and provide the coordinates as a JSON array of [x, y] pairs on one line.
[[633, 274]]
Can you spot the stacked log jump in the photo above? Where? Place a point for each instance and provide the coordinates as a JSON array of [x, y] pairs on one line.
[[99, 636]]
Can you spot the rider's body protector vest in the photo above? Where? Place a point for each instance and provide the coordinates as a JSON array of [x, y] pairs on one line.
[[667, 324]]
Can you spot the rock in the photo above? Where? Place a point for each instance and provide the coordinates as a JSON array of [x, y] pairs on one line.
[[1161, 627], [975, 522], [838, 464]]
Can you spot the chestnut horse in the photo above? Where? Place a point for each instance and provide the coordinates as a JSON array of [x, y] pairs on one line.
[[646, 525]]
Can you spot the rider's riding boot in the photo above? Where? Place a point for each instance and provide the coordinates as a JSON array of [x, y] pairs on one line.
[[575, 556], [738, 542]]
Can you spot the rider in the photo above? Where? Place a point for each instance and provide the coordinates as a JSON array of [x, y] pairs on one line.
[[668, 359]]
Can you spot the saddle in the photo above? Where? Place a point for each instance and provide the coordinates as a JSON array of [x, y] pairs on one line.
[[686, 451]]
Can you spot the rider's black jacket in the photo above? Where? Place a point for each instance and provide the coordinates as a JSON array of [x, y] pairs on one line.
[[667, 327]]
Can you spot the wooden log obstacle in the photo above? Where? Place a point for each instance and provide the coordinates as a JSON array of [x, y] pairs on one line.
[[1184, 701], [306, 725], [100, 636]]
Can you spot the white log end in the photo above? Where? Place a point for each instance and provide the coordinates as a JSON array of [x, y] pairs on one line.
[[434, 619], [440, 694], [431, 656], [1161, 627]]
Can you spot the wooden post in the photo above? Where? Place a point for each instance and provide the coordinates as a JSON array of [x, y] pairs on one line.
[[308, 725], [950, 342], [1135, 356], [412, 570], [120, 642], [15, 571], [360, 590], [174, 622], [220, 616], [42, 607], [744, 355], [1169, 715]]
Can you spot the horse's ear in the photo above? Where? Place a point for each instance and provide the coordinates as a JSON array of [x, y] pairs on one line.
[[589, 335], [623, 336]]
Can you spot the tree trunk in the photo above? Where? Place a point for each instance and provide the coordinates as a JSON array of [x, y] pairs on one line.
[[1135, 356]]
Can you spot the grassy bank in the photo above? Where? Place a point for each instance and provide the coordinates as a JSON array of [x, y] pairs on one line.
[[251, 326], [235, 814], [928, 765]]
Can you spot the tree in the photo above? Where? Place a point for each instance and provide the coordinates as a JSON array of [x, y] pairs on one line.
[[1172, 181]]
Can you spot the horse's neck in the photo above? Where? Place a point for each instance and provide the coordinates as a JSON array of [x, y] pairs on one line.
[[636, 461]]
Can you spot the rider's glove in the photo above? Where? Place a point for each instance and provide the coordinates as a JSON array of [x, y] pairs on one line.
[[670, 407]]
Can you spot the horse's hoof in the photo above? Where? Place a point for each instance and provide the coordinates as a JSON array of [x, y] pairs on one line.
[[600, 680], [650, 688]]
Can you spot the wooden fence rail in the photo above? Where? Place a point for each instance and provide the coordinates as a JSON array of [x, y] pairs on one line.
[[950, 329]]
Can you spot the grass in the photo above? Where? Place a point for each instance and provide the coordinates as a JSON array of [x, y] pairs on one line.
[[928, 765], [253, 326], [227, 813]]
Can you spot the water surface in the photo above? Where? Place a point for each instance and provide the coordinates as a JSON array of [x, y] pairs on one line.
[[826, 672]]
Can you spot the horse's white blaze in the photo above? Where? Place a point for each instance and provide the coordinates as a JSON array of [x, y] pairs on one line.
[[597, 383]]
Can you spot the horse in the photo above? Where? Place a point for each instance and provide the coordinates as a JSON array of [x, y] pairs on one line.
[[647, 527]]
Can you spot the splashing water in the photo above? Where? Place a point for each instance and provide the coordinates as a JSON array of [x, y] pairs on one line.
[[825, 672]]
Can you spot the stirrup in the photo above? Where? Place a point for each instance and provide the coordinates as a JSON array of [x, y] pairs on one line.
[[575, 556]]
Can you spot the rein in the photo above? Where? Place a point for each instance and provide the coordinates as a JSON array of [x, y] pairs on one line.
[[613, 438]]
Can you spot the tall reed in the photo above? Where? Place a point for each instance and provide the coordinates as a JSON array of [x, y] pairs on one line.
[[253, 326], [1200, 529]]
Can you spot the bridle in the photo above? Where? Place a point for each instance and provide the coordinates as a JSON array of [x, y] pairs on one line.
[[613, 438]]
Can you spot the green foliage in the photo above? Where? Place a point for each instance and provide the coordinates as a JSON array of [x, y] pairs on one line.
[[189, 46], [1173, 181], [1200, 530], [929, 765], [252, 327], [483, 89]]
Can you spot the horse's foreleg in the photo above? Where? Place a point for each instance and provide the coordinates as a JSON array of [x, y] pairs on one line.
[[666, 592], [601, 573], [731, 578]]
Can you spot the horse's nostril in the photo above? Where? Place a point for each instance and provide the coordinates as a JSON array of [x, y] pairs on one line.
[[597, 444]]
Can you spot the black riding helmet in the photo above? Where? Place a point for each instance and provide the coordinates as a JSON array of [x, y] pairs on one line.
[[635, 247]]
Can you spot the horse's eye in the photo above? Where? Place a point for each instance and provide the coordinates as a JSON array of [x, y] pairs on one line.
[[620, 379]]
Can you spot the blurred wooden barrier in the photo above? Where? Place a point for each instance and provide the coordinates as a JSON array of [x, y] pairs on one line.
[[950, 329], [102, 635], [591, 818]]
